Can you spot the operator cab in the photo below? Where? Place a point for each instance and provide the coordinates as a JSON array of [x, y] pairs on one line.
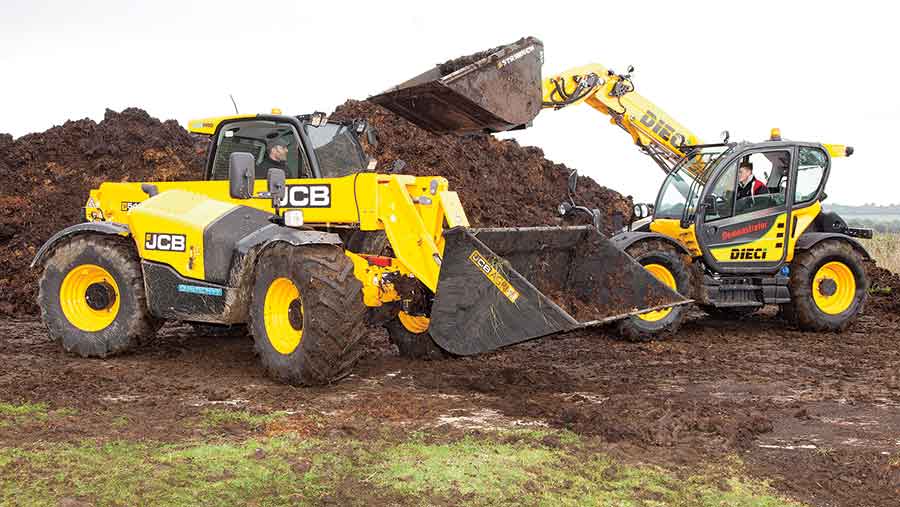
[[741, 225], [316, 147]]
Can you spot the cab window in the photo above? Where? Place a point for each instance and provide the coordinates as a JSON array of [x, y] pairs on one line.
[[272, 144], [762, 181], [810, 172], [337, 150], [721, 195]]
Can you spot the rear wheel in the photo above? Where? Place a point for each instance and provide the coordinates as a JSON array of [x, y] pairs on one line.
[[92, 297], [667, 263], [410, 334], [306, 313], [828, 286]]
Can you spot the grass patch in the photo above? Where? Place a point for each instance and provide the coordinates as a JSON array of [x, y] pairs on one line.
[[26, 413], [216, 417], [291, 470]]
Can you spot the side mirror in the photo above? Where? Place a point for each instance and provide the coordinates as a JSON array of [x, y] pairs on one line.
[[276, 180], [725, 136], [241, 173], [573, 181]]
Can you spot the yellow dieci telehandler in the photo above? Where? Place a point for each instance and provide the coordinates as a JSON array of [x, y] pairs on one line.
[[716, 233], [290, 246]]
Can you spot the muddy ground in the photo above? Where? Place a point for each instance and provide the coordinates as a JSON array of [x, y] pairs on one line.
[[817, 414]]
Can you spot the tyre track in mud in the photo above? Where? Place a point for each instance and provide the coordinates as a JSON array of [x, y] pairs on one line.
[[818, 414]]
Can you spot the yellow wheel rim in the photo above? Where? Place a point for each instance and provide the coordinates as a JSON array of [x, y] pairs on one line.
[[414, 323], [834, 288], [665, 276], [283, 315], [89, 297]]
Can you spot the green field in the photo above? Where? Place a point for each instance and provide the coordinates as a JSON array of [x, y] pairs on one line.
[[522, 467]]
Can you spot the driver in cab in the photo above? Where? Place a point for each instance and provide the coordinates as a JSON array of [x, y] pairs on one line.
[[276, 156], [748, 185]]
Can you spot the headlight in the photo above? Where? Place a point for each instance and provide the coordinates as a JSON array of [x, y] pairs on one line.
[[293, 218]]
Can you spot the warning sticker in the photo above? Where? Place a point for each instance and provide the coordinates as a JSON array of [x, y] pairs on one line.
[[494, 275]]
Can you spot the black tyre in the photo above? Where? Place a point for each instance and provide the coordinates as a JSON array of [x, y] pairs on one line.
[[413, 345], [306, 313], [672, 267], [828, 286], [92, 297]]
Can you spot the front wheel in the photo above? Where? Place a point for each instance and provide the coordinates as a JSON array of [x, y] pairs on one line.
[[828, 286], [306, 313], [668, 264], [92, 297]]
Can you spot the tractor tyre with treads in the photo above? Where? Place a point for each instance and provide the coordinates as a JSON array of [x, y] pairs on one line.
[[413, 345], [828, 286], [92, 299], [669, 265], [306, 313]]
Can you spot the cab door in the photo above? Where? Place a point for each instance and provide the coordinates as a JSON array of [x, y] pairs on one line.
[[740, 233]]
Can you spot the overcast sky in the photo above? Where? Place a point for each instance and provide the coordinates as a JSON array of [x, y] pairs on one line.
[[821, 71]]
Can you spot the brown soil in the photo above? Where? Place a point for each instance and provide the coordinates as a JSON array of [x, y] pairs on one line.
[[817, 414], [451, 66], [45, 179], [500, 183]]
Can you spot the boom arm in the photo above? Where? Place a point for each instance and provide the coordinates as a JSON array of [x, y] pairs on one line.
[[657, 134]]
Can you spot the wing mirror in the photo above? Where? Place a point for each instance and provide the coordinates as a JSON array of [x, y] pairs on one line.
[[276, 189], [573, 181], [241, 173]]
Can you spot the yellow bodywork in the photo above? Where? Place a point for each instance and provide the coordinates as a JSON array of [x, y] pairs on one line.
[[672, 228], [208, 125], [772, 242], [412, 211]]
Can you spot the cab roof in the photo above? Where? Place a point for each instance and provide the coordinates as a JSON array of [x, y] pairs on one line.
[[208, 125]]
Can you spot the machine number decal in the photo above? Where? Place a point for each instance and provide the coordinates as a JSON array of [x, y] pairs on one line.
[[493, 274], [165, 242], [307, 196], [748, 253], [127, 205]]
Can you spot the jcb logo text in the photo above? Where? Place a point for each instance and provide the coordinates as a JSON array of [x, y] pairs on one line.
[[164, 242], [307, 196]]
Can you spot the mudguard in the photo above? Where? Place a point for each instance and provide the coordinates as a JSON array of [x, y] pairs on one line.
[[808, 239], [623, 240], [111, 228]]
